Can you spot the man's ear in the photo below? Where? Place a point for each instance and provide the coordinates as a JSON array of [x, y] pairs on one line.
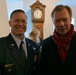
[[9, 23]]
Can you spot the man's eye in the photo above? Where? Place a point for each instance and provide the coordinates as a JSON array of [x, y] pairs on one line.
[[57, 21], [24, 21], [16, 20], [64, 20]]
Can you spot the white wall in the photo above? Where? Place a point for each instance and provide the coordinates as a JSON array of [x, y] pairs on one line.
[[74, 16], [14, 5], [4, 27]]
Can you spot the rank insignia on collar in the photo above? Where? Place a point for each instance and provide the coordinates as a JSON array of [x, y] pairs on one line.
[[12, 44]]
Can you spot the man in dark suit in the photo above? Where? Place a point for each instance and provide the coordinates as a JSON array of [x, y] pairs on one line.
[[59, 50], [11, 61]]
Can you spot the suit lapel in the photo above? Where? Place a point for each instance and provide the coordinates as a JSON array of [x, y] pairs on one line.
[[14, 50]]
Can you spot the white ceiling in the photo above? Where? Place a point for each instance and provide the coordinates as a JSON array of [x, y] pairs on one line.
[[65, 2]]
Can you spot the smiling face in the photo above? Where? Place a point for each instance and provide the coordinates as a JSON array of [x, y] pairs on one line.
[[18, 24], [62, 21]]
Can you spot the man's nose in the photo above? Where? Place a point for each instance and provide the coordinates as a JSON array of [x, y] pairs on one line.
[[61, 23], [20, 23]]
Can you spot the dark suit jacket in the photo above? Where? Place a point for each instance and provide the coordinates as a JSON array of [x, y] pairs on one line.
[[10, 61], [51, 63]]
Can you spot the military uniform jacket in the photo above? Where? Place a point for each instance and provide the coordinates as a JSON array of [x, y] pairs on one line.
[[51, 63], [10, 61]]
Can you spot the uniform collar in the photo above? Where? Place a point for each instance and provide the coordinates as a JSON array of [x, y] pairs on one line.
[[17, 40]]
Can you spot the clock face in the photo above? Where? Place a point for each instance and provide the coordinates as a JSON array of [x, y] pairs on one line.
[[37, 13]]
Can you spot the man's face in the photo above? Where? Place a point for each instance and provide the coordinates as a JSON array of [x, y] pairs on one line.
[[18, 24], [62, 21]]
